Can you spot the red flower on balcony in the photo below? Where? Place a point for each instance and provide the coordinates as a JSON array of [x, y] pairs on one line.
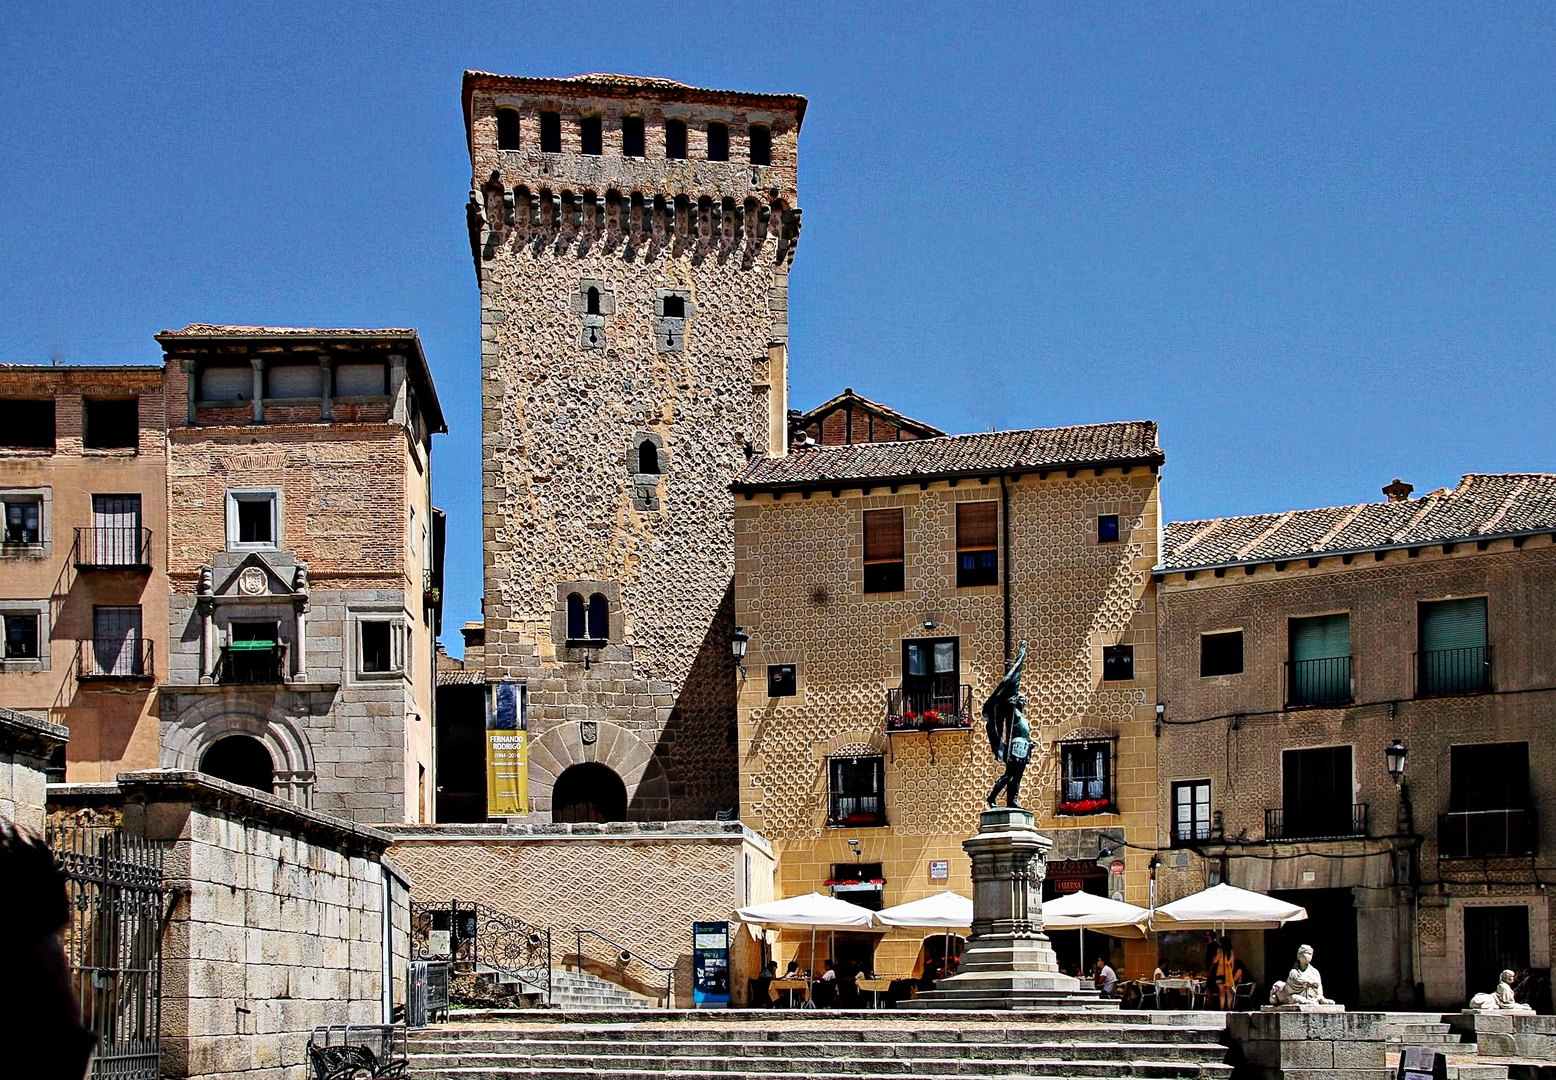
[[931, 717], [1084, 806]]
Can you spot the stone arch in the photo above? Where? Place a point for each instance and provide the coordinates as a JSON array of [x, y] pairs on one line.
[[199, 728], [622, 751]]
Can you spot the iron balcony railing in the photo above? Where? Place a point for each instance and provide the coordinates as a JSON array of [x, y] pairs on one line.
[[125, 547], [1315, 822], [947, 706], [250, 662], [114, 659], [480, 942], [1318, 682], [856, 811], [1441, 672], [1476, 834]]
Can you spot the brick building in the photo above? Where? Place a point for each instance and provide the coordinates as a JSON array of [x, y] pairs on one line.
[[884, 586], [1297, 648], [304, 559], [83, 569], [854, 418], [632, 239]]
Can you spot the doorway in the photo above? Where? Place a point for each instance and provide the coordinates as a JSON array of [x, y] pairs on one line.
[[1330, 927], [1496, 939], [240, 759], [589, 792]]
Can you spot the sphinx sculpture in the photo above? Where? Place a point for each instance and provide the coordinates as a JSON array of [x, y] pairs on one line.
[[1502, 999], [1303, 984]]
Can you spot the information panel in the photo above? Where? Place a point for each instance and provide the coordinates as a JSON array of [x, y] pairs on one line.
[[507, 751], [710, 964]]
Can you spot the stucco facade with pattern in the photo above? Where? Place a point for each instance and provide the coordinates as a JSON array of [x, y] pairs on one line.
[[799, 593], [569, 396]]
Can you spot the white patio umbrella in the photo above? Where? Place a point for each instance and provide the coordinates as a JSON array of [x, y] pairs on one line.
[[813, 911], [1079, 910], [1222, 906], [944, 911]]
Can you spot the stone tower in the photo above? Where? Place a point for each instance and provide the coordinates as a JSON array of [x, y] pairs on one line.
[[633, 239]]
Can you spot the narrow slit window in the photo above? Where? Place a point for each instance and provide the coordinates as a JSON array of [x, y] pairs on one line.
[[592, 301], [648, 458], [761, 144], [507, 129], [577, 628], [599, 618], [675, 139], [550, 133], [632, 136], [718, 142], [589, 137]]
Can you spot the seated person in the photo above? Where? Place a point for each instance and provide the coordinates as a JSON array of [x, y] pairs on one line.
[[824, 990], [1104, 977], [762, 987], [1161, 969], [932, 971]]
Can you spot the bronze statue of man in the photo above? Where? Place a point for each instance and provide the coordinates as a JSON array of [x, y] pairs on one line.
[[1010, 736]]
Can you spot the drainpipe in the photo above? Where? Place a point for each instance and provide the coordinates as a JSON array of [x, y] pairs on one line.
[[386, 931], [1005, 558]]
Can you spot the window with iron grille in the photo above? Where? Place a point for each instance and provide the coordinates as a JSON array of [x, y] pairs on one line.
[[977, 544], [884, 569]]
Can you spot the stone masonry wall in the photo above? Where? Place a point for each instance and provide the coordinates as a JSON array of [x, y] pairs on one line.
[[25, 746], [563, 416], [798, 590]]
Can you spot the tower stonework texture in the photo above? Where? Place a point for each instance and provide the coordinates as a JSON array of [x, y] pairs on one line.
[[632, 238]]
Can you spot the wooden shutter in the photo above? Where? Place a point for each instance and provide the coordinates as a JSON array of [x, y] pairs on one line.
[[1321, 637], [882, 536], [976, 526], [1453, 624]]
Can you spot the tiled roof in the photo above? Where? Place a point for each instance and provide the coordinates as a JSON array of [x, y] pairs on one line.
[[626, 86], [1132, 442], [460, 677], [1483, 505], [221, 330], [848, 397]]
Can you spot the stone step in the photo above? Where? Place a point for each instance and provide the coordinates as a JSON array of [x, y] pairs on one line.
[[786, 1057], [1477, 1072], [1148, 1070], [902, 1016], [467, 1039]]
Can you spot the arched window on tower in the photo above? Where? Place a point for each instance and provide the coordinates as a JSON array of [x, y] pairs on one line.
[[577, 629], [648, 458], [507, 129], [599, 618], [592, 301]]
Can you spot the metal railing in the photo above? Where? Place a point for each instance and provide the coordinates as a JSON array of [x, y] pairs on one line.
[[937, 708], [1441, 672], [1326, 681], [241, 665], [426, 992], [1474, 834], [863, 811], [623, 959], [1315, 822], [114, 659], [125, 547], [477, 940]]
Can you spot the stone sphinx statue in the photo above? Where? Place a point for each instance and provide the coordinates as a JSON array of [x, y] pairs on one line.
[[1303, 984], [1502, 1000]]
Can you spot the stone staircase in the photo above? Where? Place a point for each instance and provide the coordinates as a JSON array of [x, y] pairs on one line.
[[579, 990], [1435, 1032], [762, 1045]]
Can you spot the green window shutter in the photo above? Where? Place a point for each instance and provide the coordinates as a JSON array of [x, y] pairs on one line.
[[1453, 624], [1321, 637]]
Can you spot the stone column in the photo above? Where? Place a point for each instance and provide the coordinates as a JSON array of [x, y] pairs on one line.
[[191, 386], [207, 641], [300, 640], [258, 363]]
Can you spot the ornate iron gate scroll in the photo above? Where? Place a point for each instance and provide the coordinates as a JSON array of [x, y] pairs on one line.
[[114, 944]]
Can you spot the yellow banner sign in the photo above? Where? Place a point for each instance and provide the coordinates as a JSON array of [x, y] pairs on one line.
[[507, 752]]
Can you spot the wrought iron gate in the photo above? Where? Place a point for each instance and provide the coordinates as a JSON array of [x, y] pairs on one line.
[[481, 942], [114, 944]]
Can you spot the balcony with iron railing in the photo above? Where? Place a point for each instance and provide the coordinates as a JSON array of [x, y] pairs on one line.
[[855, 811], [943, 707], [1317, 683], [1325, 822], [112, 548], [251, 663], [1479, 834], [1445, 672], [114, 659]]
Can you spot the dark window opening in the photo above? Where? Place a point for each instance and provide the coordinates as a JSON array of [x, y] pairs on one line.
[[1118, 663], [675, 138], [1084, 774], [1320, 667], [718, 142], [884, 566], [599, 618], [375, 646], [781, 680], [1107, 529], [589, 137], [23, 521], [255, 631], [862, 884], [932, 681], [27, 424], [761, 145], [1221, 653], [21, 637], [648, 458], [577, 628], [588, 792], [632, 136], [255, 520], [977, 544], [1316, 793], [675, 307], [240, 759], [857, 789], [592, 301], [1489, 809], [507, 129], [1190, 812], [550, 133], [111, 424]]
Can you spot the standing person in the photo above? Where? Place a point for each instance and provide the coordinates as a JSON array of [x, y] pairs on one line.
[[1212, 967], [1104, 977], [1226, 974]]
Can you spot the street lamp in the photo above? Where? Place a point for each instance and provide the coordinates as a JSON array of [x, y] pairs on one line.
[[1396, 755], [737, 645]]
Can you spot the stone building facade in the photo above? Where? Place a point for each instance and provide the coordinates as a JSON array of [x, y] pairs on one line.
[[83, 566], [26, 747], [862, 755], [1297, 648], [303, 563], [632, 240]]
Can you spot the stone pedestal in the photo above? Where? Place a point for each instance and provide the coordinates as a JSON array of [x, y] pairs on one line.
[[1304, 1008], [1009, 962], [1280, 1044]]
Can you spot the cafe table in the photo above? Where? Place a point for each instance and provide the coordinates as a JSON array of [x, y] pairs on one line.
[[1191, 987], [802, 986]]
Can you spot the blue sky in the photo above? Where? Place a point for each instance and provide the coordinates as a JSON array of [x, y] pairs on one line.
[[1315, 242]]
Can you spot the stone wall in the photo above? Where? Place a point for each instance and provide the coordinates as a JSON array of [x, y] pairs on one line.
[[568, 397], [26, 745], [799, 592], [278, 926], [641, 884]]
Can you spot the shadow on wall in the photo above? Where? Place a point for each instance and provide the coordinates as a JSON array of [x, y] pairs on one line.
[[698, 746]]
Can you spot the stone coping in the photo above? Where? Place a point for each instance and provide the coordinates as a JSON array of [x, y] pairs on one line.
[[156, 786], [18, 731], [883, 1018], [728, 831]]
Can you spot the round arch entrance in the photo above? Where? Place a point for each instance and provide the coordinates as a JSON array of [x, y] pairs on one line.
[[589, 792], [240, 759]]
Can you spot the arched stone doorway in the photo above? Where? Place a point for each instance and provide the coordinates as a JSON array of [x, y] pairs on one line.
[[589, 792], [240, 759]]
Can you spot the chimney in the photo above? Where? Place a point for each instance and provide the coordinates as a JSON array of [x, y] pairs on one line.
[[1398, 491]]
